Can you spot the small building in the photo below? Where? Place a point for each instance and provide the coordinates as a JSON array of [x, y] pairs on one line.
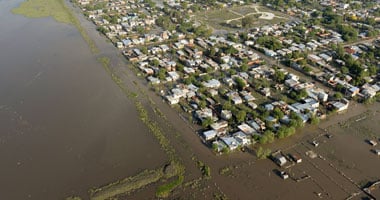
[[172, 100], [226, 114], [280, 160], [209, 135], [265, 92], [296, 158], [242, 138], [231, 142]]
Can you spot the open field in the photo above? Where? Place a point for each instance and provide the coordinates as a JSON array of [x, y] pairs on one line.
[[230, 18]]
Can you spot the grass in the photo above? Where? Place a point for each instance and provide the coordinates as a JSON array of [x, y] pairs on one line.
[[127, 185], [176, 168], [218, 18], [56, 9], [165, 190]]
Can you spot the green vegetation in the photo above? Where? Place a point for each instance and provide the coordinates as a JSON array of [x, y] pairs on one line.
[[126, 185], [269, 42], [225, 170], [73, 198], [176, 167], [263, 153], [206, 171], [56, 9], [267, 137], [165, 190], [218, 196]]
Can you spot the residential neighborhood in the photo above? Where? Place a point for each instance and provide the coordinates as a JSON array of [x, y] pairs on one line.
[[254, 84]]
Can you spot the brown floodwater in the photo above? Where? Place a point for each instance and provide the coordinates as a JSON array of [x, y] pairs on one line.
[[64, 124]]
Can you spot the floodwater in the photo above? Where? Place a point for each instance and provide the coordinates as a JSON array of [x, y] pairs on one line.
[[65, 127]]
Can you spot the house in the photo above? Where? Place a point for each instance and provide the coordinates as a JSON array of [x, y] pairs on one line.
[[254, 125], [204, 113], [231, 142], [172, 100], [213, 83], [270, 53], [153, 80], [219, 145], [353, 91], [295, 157], [265, 92], [247, 96], [341, 106], [242, 138], [370, 91], [246, 129], [252, 105], [226, 114], [173, 75], [209, 135], [220, 127], [280, 160]]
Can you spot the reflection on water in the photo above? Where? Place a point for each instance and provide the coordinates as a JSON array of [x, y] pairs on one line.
[[64, 125]]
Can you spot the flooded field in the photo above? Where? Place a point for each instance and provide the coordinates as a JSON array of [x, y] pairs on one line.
[[65, 127], [343, 162]]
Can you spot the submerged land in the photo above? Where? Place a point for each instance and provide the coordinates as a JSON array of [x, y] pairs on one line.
[[238, 102]]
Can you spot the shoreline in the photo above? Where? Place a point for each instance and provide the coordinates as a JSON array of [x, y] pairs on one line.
[[178, 131], [62, 14], [191, 139]]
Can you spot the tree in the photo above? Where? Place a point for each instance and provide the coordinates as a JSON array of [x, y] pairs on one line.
[[240, 83], [278, 114], [262, 153], [296, 120], [338, 95], [162, 74], [279, 76], [102, 29], [244, 67], [314, 120], [270, 136], [240, 116], [154, 62], [247, 21], [206, 122]]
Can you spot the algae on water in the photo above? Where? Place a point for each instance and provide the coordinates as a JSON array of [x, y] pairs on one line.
[[56, 9]]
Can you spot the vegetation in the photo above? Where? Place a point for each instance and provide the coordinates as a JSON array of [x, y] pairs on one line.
[[126, 185], [56, 9], [73, 198], [263, 153], [165, 190], [267, 137], [121, 187], [206, 171]]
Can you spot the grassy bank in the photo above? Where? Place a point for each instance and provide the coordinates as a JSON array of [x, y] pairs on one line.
[[56, 9], [165, 190], [127, 185], [145, 178]]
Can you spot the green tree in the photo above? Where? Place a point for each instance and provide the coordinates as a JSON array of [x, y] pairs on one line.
[[240, 83], [162, 74], [279, 76], [240, 116], [277, 113], [247, 21], [207, 122]]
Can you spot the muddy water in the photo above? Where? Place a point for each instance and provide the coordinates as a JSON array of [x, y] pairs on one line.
[[64, 125]]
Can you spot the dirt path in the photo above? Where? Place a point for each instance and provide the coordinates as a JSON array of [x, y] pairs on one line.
[[264, 15]]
